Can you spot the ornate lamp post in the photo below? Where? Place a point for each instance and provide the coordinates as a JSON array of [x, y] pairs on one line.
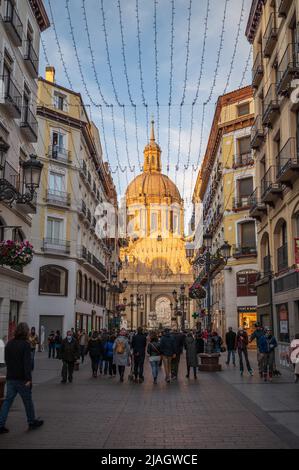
[[32, 170], [208, 260], [181, 302], [114, 289]]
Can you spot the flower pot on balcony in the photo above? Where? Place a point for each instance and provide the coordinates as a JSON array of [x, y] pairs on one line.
[[209, 362]]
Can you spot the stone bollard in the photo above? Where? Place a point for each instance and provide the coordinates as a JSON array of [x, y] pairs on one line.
[[2, 386]]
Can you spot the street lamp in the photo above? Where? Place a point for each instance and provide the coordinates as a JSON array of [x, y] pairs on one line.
[[207, 259], [32, 170], [180, 304]]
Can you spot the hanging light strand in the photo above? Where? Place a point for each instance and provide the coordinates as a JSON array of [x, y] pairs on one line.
[[248, 61], [156, 68], [122, 169], [132, 168], [170, 81], [202, 61], [59, 47], [235, 48], [140, 68], [93, 63]]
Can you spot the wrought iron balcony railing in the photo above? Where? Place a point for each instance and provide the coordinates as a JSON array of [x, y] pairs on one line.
[[257, 133], [29, 124], [270, 36], [59, 153], [58, 198], [12, 22], [257, 70], [243, 160], [271, 107], [11, 98], [31, 58], [287, 163], [56, 245], [270, 188], [288, 68], [247, 251], [282, 257]]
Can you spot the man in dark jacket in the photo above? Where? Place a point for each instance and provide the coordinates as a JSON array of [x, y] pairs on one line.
[[230, 340], [70, 352], [179, 339], [18, 377], [139, 345], [257, 335], [168, 352]]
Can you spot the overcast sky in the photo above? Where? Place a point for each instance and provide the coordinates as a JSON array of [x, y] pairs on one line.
[[182, 90]]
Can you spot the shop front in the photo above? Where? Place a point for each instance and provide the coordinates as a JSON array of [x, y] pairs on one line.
[[247, 317], [84, 322]]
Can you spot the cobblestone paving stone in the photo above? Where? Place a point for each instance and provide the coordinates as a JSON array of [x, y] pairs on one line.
[[103, 413]]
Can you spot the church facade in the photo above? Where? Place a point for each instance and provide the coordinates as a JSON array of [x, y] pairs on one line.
[[154, 259]]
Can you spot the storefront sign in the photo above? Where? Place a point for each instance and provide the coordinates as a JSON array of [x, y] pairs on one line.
[[297, 253], [248, 309]]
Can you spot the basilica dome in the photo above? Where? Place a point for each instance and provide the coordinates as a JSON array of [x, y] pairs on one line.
[[152, 185]]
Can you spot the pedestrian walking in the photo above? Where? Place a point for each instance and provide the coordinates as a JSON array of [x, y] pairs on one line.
[[108, 355], [168, 351], [230, 341], [34, 341], [153, 350], [138, 346], [121, 353], [18, 377], [200, 344], [58, 343], [104, 336], [95, 350], [217, 342], [179, 339], [241, 347], [294, 356], [83, 341], [191, 355], [256, 335], [51, 345], [267, 345], [69, 355]]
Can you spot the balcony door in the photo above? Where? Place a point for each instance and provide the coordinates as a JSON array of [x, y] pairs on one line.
[[247, 239], [244, 149], [245, 189], [56, 183], [58, 143], [54, 230]]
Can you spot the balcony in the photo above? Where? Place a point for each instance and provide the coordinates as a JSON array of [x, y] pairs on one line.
[[257, 207], [288, 69], [271, 107], [257, 133], [10, 98], [257, 71], [89, 216], [52, 245], [287, 163], [283, 8], [59, 153], [58, 198], [12, 176], [12, 23], [244, 251], [271, 189], [282, 257], [83, 169], [243, 160], [29, 124], [241, 203], [267, 265], [82, 210], [270, 36], [31, 59]]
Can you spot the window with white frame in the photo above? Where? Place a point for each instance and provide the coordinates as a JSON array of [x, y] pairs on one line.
[[56, 182], [54, 229], [60, 101]]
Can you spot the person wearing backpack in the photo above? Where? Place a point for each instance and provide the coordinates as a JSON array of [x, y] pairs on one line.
[[108, 354], [121, 353]]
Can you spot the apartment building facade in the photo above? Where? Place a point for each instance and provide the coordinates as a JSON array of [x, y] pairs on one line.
[[272, 29], [74, 257], [21, 24], [224, 186]]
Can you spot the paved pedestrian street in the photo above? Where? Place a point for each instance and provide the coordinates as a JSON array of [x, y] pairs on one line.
[[220, 410]]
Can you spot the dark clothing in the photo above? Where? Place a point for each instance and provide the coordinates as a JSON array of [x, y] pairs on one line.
[[82, 353], [245, 352], [51, 350], [179, 339], [139, 365], [13, 388], [95, 348], [167, 345], [175, 362], [257, 334], [139, 343], [67, 370], [241, 341], [153, 349], [191, 353], [200, 345], [217, 342], [267, 344], [18, 360], [230, 340], [109, 365], [70, 350]]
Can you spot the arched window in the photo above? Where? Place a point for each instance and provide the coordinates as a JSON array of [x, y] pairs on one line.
[[53, 280], [85, 287], [281, 245], [90, 290], [79, 284]]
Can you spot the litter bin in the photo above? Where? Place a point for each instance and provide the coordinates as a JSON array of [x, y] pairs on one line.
[[2, 378]]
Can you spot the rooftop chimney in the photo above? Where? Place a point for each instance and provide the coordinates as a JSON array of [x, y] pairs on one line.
[[50, 74]]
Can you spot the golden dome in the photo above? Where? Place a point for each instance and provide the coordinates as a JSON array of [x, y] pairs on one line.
[[152, 187]]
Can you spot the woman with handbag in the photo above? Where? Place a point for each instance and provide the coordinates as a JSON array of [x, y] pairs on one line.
[[154, 356]]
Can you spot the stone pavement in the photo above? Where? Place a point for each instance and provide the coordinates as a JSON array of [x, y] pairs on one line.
[[220, 410]]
